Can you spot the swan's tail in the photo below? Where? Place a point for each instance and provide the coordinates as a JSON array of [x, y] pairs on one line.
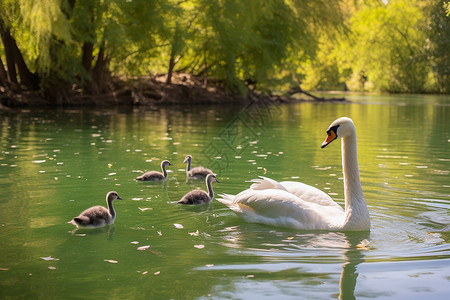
[[239, 208], [226, 199], [266, 183]]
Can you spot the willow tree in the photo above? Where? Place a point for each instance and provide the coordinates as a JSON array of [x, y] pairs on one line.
[[112, 36], [17, 70], [240, 42], [67, 43], [132, 33]]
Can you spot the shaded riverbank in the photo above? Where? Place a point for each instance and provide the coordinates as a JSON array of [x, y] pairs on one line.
[[149, 91]]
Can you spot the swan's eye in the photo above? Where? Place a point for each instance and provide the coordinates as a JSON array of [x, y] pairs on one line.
[[333, 130], [332, 134]]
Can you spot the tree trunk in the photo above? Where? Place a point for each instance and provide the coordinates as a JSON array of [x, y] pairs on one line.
[[102, 62], [86, 58], [14, 58], [9, 53], [170, 71], [3, 75], [100, 74], [27, 78], [86, 62]]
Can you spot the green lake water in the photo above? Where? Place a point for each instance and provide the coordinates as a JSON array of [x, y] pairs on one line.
[[56, 163]]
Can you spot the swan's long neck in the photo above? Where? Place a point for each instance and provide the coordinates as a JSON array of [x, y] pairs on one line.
[[210, 189], [352, 182], [163, 169], [188, 167], [109, 202], [355, 205]]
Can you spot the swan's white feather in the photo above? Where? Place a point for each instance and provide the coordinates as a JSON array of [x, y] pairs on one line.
[[281, 208], [310, 194], [264, 183], [305, 192]]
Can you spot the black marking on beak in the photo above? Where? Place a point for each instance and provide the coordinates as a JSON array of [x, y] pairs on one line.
[[332, 135]]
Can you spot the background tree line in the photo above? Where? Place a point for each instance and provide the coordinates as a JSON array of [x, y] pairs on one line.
[[391, 45], [56, 46]]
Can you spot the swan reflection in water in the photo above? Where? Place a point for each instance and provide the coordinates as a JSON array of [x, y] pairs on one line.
[[293, 263], [353, 256]]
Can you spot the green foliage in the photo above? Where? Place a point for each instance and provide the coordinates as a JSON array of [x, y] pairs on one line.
[[326, 71], [437, 30], [389, 46], [229, 40], [401, 46], [132, 30], [259, 40], [46, 24]]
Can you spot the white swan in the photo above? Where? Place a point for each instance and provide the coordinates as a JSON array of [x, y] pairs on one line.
[[300, 206]]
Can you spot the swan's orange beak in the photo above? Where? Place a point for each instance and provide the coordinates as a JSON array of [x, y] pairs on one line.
[[330, 137]]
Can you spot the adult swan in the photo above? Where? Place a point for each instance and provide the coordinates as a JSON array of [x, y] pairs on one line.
[[300, 206]]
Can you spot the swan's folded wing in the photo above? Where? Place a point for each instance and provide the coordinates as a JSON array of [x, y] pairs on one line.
[[280, 208], [301, 190], [310, 194], [266, 183]]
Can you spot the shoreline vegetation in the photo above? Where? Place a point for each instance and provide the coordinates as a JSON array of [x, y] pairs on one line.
[[103, 53], [153, 91]]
